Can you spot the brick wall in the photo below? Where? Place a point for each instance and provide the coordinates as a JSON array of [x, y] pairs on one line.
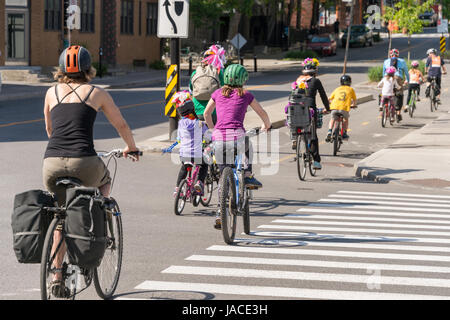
[[137, 46], [45, 46]]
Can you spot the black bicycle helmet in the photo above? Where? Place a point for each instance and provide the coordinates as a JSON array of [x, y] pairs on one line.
[[186, 108], [309, 69], [346, 80]]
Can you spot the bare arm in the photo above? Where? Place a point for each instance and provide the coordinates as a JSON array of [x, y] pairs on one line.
[[261, 113], [114, 116], [48, 120], [208, 113]]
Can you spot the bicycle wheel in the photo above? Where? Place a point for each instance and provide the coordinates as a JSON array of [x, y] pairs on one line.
[[106, 276], [245, 205], [208, 189], [228, 205], [180, 198], [411, 108], [301, 156], [432, 98], [391, 115], [384, 116], [47, 268], [336, 132]]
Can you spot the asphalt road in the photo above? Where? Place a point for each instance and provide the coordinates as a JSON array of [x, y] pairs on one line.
[[359, 247]]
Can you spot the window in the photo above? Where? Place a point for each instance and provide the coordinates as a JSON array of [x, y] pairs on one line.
[[126, 17], [87, 15], [152, 18], [52, 15]]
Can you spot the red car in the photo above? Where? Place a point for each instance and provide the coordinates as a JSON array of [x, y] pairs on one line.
[[324, 45]]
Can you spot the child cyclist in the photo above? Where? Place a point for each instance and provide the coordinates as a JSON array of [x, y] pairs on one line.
[[231, 103], [191, 133], [415, 80], [342, 99], [388, 85]]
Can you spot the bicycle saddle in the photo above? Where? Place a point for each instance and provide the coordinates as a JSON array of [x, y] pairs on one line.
[[68, 181]]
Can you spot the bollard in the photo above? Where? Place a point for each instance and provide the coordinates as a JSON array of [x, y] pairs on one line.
[[100, 53], [256, 63], [190, 65]]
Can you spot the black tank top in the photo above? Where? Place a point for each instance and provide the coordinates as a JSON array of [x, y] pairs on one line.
[[72, 128]]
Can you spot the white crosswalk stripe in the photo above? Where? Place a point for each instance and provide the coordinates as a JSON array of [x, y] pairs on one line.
[[368, 245]]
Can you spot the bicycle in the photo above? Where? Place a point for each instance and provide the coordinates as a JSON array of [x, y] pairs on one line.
[[105, 283], [212, 176], [337, 133], [388, 113], [186, 191], [433, 94], [304, 156], [234, 196], [412, 102]]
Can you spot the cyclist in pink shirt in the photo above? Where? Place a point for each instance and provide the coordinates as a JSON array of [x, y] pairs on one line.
[[231, 103]]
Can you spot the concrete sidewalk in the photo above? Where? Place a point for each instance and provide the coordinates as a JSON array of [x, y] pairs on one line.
[[421, 158]]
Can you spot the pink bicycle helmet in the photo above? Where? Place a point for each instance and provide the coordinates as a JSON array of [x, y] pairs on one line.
[[415, 64], [391, 70]]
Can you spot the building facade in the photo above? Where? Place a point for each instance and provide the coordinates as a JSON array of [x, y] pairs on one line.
[[35, 31]]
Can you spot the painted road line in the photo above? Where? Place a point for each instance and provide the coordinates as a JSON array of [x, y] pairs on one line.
[[307, 276], [414, 195], [379, 213], [413, 204], [391, 220], [363, 224], [333, 253], [319, 263], [365, 123], [368, 230], [387, 198], [368, 206], [304, 237], [282, 292]]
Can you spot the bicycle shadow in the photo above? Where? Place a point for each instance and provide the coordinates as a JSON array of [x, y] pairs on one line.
[[165, 295]]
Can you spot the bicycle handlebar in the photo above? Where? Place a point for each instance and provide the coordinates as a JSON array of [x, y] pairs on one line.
[[118, 153]]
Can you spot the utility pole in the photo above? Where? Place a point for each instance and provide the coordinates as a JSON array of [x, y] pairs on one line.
[[348, 36]]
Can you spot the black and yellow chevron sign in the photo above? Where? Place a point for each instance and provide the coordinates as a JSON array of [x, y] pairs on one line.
[[443, 44], [171, 89]]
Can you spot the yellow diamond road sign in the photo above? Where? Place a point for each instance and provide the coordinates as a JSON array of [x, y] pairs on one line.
[[171, 89]]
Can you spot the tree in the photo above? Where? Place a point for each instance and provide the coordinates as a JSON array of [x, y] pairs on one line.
[[406, 14], [205, 13]]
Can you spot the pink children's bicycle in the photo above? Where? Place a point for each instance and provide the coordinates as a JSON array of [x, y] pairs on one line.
[[187, 193]]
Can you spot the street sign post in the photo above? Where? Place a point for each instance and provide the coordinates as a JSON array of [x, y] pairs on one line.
[[173, 23], [238, 42], [73, 18]]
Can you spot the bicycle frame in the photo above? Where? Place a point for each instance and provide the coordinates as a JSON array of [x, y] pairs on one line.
[[191, 180]]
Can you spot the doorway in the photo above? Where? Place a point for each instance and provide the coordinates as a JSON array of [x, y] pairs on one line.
[[17, 37]]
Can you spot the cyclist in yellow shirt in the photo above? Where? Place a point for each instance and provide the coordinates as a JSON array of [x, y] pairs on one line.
[[342, 99]]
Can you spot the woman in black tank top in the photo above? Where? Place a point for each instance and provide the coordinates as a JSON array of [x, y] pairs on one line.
[[70, 121]]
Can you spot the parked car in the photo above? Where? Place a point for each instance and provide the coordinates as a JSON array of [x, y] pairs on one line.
[[429, 18], [324, 45], [359, 35]]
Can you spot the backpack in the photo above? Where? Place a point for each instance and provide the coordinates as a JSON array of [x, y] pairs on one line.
[[85, 227], [204, 82], [29, 222]]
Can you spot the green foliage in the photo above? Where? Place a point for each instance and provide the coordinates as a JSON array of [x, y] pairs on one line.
[[375, 73], [100, 71], [445, 8], [157, 65], [300, 55], [208, 12], [406, 14]]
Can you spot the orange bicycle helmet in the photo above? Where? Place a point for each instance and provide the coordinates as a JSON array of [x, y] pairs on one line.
[[75, 59]]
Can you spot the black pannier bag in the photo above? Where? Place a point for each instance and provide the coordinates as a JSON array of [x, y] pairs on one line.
[[29, 222], [298, 114], [85, 227]]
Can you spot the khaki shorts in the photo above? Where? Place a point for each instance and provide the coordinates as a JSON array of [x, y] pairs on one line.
[[91, 171], [334, 114]]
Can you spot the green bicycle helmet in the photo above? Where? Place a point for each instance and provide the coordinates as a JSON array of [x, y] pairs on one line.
[[235, 75]]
